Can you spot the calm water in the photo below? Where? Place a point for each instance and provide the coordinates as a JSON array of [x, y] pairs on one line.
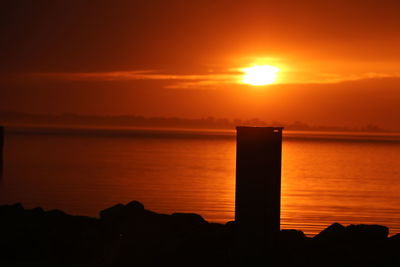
[[325, 178]]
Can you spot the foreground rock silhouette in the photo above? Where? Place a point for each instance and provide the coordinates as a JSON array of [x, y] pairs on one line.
[[130, 235]]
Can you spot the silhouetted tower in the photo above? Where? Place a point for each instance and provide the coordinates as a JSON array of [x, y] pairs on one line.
[[258, 186]]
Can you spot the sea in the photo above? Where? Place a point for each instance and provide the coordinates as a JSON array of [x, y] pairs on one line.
[[327, 177]]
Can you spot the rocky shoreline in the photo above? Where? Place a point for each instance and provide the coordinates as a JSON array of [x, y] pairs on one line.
[[130, 235]]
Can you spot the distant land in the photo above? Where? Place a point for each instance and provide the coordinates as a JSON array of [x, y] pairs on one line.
[[11, 118]]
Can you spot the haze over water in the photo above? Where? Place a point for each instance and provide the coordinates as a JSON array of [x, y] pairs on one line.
[[81, 171]]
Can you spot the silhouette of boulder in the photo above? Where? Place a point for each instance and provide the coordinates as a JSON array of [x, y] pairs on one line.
[[366, 232], [231, 227], [38, 235], [231, 224], [120, 212], [58, 215], [37, 211], [394, 243], [395, 238], [187, 218], [130, 235], [393, 248], [334, 232], [113, 213], [11, 210], [291, 236], [135, 206]]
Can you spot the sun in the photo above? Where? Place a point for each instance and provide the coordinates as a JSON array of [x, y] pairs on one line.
[[260, 75]]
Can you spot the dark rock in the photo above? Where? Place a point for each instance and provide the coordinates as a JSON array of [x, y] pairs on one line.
[[394, 242], [187, 219], [134, 210], [395, 238], [37, 210], [56, 213], [291, 236], [11, 209], [113, 213], [130, 235], [393, 248], [231, 224], [364, 232], [120, 212], [334, 232], [135, 206]]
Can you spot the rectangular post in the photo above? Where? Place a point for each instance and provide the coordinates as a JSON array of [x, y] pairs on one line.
[[258, 187]]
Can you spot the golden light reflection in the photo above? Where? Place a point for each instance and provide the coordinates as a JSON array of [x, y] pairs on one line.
[[260, 75]]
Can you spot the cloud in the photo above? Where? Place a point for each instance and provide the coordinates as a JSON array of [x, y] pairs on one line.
[[337, 78], [177, 80], [205, 81]]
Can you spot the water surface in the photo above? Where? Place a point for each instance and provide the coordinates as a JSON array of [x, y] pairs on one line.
[[346, 178]]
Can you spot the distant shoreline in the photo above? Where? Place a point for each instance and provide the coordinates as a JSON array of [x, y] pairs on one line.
[[126, 131], [138, 121]]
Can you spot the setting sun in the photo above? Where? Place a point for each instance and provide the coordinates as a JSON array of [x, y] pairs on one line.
[[260, 75]]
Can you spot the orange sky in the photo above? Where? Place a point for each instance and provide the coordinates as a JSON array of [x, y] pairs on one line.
[[339, 60]]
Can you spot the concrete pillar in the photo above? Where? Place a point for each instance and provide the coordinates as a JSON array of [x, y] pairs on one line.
[[258, 187]]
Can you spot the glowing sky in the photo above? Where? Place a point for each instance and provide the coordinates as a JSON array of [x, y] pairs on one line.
[[339, 61]]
